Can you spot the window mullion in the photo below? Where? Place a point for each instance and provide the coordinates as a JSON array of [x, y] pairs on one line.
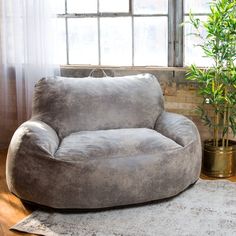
[[171, 33], [67, 36], [175, 33], [131, 11], [179, 47], [99, 33]]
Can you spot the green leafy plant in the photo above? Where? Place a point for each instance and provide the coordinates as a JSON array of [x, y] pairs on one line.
[[217, 84]]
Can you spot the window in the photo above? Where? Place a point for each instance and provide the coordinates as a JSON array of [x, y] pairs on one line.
[[126, 32], [193, 53]]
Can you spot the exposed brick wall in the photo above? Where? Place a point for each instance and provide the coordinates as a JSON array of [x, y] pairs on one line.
[[185, 102], [180, 96]]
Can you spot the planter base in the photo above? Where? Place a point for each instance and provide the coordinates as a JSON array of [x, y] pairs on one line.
[[219, 162]]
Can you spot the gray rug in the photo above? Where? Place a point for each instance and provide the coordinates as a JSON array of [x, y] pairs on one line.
[[207, 208]]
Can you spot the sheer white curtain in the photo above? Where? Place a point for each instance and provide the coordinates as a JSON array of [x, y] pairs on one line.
[[27, 53]]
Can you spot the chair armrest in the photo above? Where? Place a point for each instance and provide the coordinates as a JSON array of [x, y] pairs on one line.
[[178, 128], [34, 138], [30, 155]]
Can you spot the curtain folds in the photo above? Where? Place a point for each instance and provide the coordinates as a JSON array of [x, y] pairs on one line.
[[27, 53]]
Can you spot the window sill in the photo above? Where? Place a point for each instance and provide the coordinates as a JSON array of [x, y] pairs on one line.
[[146, 68]]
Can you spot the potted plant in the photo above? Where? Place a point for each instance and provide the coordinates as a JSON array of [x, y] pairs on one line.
[[217, 86]]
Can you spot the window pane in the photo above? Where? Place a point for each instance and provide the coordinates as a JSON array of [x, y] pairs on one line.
[[116, 41], [59, 6], [114, 6], [150, 41], [60, 41], [82, 6], [199, 6], [150, 6], [193, 54], [83, 41]]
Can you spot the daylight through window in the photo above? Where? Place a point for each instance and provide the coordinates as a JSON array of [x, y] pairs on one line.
[[127, 32]]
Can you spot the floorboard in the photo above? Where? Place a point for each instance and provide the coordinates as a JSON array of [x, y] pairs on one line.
[[12, 209]]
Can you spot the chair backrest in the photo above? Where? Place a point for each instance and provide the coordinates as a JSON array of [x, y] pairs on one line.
[[81, 104]]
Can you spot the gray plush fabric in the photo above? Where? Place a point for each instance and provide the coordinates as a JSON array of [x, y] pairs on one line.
[[114, 143], [72, 105], [126, 151]]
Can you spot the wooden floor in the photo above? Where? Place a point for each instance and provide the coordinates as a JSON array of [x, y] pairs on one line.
[[11, 208]]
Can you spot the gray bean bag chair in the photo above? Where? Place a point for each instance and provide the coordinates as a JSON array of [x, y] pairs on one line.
[[101, 142]]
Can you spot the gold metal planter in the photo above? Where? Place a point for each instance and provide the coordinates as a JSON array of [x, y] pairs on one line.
[[219, 162]]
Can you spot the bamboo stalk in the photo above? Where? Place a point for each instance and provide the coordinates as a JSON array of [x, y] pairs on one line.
[[225, 120], [227, 134], [228, 107], [223, 128], [217, 130]]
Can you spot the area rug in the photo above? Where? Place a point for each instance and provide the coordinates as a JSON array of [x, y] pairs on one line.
[[207, 208]]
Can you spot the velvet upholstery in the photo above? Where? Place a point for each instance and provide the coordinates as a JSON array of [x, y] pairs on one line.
[[101, 142], [98, 103], [113, 143]]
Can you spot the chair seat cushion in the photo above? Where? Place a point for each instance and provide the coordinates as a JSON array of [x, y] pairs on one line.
[[89, 145]]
